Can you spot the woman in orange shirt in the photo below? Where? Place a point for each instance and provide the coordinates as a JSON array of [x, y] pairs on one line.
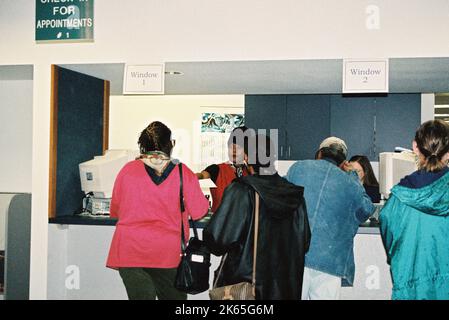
[[224, 173]]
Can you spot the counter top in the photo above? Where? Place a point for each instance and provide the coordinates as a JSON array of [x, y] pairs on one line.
[[368, 227], [84, 220], [104, 220]]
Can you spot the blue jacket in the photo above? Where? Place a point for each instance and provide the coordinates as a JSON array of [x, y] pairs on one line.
[[336, 205], [415, 230]]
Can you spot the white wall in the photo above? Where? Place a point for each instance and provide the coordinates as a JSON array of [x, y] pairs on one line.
[[372, 279], [57, 261], [196, 30], [16, 118], [427, 107], [76, 264], [82, 251], [129, 115]]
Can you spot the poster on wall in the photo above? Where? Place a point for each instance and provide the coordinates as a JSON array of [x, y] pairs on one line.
[[215, 131], [223, 123], [64, 21]]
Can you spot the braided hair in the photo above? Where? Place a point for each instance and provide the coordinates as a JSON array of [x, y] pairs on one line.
[[155, 137], [432, 140]]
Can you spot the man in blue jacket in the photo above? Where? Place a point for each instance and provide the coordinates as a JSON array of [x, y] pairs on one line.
[[336, 204]]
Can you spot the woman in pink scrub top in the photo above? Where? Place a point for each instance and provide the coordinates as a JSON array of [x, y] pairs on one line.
[[146, 245]]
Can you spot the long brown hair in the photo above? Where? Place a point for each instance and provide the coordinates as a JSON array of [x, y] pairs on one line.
[[432, 140], [369, 179]]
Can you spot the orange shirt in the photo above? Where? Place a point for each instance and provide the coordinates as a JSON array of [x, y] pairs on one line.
[[226, 174]]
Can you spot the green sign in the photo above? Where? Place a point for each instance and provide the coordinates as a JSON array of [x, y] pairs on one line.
[[64, 20]]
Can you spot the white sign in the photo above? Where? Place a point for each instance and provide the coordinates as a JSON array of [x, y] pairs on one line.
[[364, 76], [144, 79]]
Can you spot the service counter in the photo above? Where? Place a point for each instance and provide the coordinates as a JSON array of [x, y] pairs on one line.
[[368, 227], [78, 246]]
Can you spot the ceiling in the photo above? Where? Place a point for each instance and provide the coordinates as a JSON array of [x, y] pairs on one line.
[[407, 75], [300, 76], [278, 76], [106, 71]]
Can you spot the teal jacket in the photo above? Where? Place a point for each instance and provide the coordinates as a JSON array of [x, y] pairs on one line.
[[414, 225]]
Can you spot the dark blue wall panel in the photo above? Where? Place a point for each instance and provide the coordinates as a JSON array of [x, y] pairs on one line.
[[352, 119], [369, 124], [308, 123], [267, 112], [397, 118], [79, 134]]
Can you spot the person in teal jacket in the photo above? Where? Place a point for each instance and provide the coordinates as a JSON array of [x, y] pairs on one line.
[[414, 222]]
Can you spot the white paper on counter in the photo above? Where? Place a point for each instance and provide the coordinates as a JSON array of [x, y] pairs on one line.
[[207, 183]]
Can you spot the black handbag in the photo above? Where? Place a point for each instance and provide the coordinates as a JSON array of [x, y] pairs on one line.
[[192, 274]]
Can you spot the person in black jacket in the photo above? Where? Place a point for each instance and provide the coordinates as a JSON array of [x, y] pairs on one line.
[[284, 233]]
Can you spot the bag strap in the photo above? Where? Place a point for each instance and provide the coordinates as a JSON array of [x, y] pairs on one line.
[[220, 270], [256, 232], [181, 193], [182, 206]]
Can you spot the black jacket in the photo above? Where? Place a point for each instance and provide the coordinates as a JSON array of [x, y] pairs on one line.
[[284, 235]]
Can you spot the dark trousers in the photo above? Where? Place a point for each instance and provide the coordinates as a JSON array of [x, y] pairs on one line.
[[149, 283]]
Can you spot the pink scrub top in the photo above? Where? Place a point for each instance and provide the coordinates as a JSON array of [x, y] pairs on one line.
[[148, 230]]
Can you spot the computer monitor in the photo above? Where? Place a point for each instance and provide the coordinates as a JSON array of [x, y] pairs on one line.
[[393, 167], [98, 175]]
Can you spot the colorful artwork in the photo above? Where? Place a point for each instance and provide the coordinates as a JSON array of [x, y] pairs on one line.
[[221, 123], [215, 130]]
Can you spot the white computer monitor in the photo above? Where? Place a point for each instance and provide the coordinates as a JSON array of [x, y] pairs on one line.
[[393, 167], [98, 175], [282, 166]]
